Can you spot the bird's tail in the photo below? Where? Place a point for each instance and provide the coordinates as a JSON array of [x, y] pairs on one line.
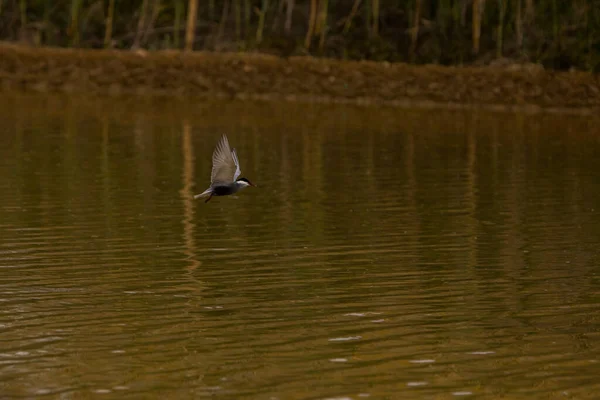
[[207, 192]]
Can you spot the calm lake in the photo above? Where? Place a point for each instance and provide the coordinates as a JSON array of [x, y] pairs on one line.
[[387, 253]]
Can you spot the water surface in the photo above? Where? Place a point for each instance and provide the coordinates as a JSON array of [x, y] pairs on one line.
[[387, 254]]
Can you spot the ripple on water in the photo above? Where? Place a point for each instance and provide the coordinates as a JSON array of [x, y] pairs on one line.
[[392, 252]]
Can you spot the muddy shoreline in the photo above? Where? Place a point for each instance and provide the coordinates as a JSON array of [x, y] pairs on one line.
[[256, 76]]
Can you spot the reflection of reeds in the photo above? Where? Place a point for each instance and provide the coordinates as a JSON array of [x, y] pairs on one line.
[[471, 197], [285, 171], [106, 172], [187, 197], [411, 188]]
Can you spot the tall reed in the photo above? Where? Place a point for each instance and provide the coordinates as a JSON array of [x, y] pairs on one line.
[[247, 17], [211, 9], [177, 22], [46, 25], [288, 17], [555, 20], [476, 27], [500, 30], [110, 13], [375, 15], [23, 15], [74, 27], [518, 24], [555, 32], [261, 21], [311, 24], [368, 15], [141, 25], [415, 29], [190, 30], [351, 16], [322, 23], [223, 21], [237, 11], [149, 28]]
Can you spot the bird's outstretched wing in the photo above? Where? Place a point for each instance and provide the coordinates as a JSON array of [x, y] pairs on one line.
[[237, 165], [224, 168]]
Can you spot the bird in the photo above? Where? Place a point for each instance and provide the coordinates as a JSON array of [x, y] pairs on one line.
[[225, 171]]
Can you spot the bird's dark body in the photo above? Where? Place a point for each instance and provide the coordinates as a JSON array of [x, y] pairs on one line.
[[223, 190]]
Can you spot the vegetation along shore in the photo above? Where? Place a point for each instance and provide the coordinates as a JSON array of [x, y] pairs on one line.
[[558, 34], [238, 75], [535, 52]]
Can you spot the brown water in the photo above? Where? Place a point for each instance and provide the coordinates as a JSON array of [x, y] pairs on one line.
[[387, 254]]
